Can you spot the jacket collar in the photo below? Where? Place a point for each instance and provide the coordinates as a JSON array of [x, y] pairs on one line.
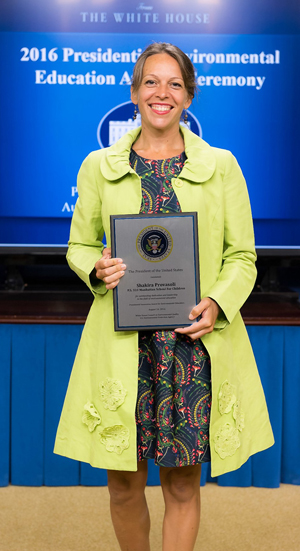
[[199, 166]]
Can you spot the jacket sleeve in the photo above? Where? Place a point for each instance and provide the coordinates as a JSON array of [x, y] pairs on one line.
[[86, 234], [238, 271]]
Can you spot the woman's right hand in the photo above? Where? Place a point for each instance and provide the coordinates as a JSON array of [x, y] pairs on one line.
[[110, 270]]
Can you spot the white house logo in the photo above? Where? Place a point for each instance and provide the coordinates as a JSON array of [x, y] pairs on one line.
[[118, 121], [154, 243]]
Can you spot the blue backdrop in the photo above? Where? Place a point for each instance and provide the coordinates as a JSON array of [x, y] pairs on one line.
[[64, 70]]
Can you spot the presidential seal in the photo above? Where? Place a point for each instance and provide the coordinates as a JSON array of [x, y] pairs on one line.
[[154, 243]]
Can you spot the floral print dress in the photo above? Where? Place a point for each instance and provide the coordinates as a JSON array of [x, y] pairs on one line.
[[174, 376]]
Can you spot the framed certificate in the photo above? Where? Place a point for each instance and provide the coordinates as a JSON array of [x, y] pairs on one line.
[[161, 284]]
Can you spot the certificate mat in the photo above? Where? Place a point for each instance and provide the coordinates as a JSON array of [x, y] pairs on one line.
[[161, 283]]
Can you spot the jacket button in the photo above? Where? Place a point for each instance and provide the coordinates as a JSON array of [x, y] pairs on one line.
[[178, 183]]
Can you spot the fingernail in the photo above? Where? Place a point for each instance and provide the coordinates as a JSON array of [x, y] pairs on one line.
[[191, 317], [123, 266]]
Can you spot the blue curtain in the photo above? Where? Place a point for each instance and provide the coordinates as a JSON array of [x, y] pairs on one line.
[[36, 361]]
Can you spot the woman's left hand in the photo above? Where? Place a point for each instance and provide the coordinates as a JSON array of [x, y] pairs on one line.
[[209, 310]]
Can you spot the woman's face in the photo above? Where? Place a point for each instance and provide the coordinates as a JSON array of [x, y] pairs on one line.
[[162, 95]]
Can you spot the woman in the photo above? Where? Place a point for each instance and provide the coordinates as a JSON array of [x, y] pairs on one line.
[[184, 396]]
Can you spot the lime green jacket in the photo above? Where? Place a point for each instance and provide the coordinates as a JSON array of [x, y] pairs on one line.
[[97, 423]]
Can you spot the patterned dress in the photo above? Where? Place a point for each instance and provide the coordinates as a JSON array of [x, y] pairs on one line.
[[174, 377]]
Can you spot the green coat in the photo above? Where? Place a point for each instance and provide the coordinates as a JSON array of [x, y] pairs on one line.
[[97, 423]]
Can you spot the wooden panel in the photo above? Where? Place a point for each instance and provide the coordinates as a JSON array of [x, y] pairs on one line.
[[5, 365], [290, 468], [153, 474], [268, 346], [61, 346], [90, 476], [242, 477], [27, 405]]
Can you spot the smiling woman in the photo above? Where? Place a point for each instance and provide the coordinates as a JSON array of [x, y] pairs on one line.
[[161, 95], [181, 397]]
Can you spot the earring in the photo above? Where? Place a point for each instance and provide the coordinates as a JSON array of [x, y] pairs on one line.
[[185, 117], [135, 112]]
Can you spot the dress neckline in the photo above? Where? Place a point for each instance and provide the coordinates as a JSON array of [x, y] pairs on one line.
[[182, 154]]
